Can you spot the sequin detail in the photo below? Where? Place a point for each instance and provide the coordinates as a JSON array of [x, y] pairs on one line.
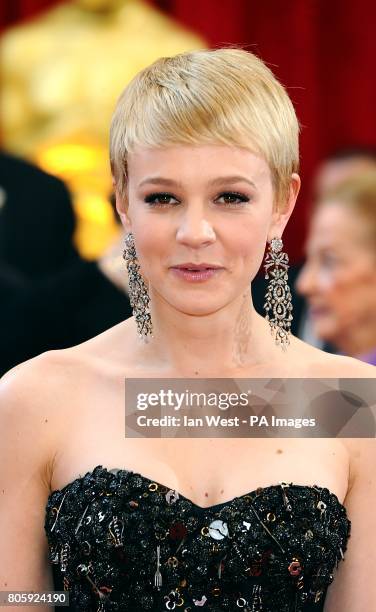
[[119, 541]]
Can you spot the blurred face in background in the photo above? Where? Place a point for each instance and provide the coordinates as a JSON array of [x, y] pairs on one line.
[[339, 278]]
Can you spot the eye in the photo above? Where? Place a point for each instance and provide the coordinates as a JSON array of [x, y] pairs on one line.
[[233, 198], [329, 260], [159, 199]]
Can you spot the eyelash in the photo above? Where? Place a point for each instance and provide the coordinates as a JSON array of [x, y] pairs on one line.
[[151, 199]]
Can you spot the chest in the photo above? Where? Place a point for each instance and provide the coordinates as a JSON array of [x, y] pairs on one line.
[[206, 470]]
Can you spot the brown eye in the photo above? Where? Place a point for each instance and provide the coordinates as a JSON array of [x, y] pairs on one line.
[[159, 199], [233, 198]]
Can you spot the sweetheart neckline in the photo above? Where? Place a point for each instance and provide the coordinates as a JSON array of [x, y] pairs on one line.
[[115, 472]]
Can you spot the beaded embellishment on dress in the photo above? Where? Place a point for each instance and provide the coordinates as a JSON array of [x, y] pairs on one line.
[[120, 541]]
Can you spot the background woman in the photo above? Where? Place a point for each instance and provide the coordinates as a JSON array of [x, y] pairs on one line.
[[339, 276]]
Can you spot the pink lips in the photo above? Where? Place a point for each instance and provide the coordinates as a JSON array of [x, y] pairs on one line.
[[196, 272], [317, 311]]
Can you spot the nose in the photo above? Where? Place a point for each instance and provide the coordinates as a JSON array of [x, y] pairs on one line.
[[195, 229], [305, 283]]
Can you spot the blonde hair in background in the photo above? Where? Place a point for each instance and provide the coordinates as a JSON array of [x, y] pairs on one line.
[[358, 194], [209, 96]]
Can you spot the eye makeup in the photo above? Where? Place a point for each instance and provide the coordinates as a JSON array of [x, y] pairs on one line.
[[160, 199]]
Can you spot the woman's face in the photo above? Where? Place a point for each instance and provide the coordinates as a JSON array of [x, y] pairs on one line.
[[339, 276], [207, 204]]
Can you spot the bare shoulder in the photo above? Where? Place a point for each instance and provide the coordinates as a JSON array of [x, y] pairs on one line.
[[340, 366], [54, 378], [37, 400], [319, 364], [42, 373], [361, 452], [33, 380], [32, 398]]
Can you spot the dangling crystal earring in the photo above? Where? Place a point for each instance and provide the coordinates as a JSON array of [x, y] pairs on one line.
[[278, 295], [138, 291]]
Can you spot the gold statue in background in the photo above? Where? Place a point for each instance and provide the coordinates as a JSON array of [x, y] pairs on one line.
[[61, 75]]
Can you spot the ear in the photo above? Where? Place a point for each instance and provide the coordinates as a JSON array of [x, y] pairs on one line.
[[283, 213], [122, 209]]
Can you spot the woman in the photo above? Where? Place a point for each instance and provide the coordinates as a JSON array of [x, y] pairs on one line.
[[339, 276], [204, 152]]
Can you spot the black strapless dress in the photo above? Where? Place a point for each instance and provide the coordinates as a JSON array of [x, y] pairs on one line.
[[119, 541]]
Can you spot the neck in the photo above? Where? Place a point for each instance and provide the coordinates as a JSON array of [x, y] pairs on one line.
[[231, 339]]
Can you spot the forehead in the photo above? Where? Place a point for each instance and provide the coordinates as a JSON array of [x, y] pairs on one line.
[[333, 225], [198, 162]]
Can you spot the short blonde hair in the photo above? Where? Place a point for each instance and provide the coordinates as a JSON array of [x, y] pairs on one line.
[[358, 194], [210, 96]]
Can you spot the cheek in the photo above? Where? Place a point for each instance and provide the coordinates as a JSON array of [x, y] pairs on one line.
[[352, 290], [337, 284], [150, 245], [250, 255], [363, 291], [151, 251], [248, 242]]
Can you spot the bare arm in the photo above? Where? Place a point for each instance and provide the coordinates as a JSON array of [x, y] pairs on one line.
[[25, 443], [354, 586]]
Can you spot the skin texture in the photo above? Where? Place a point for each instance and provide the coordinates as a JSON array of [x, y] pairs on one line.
[[339, 279]]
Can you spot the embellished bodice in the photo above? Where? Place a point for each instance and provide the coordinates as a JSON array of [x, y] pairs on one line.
[[120, 541]]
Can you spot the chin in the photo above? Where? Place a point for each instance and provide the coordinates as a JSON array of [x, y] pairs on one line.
[[196, 311], [199, 306], [325, 331]]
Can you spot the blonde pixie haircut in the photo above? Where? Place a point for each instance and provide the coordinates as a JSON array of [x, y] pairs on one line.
[[210, 96]]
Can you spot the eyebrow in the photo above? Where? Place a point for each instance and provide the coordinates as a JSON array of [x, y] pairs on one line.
[[160, 180]]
